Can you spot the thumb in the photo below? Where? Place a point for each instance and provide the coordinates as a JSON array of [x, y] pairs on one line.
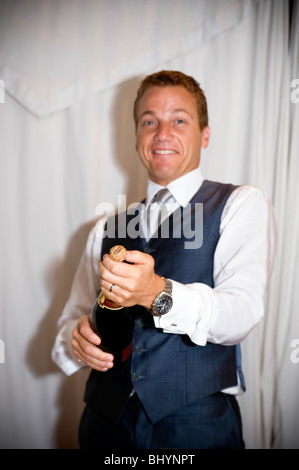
[[137, 257]]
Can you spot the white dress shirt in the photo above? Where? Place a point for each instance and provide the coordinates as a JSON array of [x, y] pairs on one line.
[[225, 314]]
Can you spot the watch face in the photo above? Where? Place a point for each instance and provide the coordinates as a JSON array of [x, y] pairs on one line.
[[164, 304]]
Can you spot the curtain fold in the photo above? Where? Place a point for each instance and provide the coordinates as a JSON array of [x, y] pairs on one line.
[[269, 145], [40, 66], [285, 347]]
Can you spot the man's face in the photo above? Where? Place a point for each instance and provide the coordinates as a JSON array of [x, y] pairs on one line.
[[168, 137]]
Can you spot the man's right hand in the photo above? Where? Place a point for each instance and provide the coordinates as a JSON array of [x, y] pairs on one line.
[[85, 344]]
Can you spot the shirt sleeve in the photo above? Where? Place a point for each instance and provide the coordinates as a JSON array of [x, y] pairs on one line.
[[85, 289], [243, 264]]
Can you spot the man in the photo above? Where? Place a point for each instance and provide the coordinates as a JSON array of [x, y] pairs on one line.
[[178, 387]]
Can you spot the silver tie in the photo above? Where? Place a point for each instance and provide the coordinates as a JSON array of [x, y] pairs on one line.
[[157, 211]]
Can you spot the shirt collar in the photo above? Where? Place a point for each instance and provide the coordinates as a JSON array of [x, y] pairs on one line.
[[182, 189]]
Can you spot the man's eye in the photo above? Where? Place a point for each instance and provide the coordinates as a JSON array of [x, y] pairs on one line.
[[149, 123], [180, 121]]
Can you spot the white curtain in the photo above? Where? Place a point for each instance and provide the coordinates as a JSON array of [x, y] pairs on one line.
[[70, 70], [282, 339]]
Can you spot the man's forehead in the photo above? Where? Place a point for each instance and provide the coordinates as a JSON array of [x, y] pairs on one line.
[[177, 98]]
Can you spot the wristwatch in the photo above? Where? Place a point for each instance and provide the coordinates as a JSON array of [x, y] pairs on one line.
[[163, 302]]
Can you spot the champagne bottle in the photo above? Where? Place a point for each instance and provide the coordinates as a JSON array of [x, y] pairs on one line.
[[112, 322]]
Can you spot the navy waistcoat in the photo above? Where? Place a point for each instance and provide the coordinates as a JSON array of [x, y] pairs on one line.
[[168, 370]]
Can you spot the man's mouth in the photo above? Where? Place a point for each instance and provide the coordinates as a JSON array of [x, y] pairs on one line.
[[164, 152]]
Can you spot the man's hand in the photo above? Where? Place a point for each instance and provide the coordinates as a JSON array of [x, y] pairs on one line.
[[133, 284], [85, 347]]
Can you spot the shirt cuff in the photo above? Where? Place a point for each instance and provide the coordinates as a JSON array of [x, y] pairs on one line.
[[191, 313], [67, 364], [62, 351]]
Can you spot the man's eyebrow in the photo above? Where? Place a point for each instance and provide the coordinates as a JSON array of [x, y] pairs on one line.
[[151, 113], [181, 110], [174, 111]]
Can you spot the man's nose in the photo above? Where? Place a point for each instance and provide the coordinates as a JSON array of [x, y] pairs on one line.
[[163, 132]]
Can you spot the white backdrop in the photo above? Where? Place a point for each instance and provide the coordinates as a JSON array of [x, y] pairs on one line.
[[70, 71]]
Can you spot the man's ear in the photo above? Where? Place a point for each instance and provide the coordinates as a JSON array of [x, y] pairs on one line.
[[205, 137]]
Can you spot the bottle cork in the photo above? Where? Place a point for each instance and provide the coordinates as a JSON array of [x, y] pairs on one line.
[[118, 253]]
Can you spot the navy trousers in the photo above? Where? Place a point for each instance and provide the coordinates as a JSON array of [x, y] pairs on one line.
[[212, 422]]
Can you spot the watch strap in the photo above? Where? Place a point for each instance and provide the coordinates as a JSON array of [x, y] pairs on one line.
[[168, 287], [167, 291]]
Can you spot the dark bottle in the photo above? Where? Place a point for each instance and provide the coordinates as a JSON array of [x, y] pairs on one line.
[[114, 324]]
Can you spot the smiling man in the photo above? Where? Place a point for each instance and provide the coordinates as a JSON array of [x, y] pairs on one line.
[[169, 136], [191, 307]]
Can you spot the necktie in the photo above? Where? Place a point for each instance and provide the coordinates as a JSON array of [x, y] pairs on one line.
[[157, 211]]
